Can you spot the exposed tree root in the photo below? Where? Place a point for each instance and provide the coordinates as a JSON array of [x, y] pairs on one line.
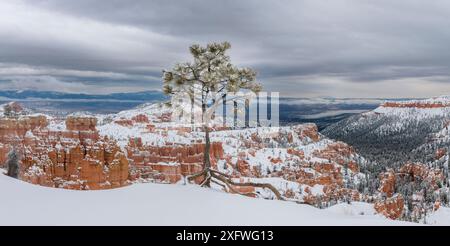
[[196, 175], [215, 176]]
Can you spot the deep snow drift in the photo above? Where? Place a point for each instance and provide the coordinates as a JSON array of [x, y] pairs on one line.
[[159, 204]]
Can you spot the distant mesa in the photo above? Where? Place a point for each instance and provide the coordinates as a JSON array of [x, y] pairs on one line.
[[437, 102]]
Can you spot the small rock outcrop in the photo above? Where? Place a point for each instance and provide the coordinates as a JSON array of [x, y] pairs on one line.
[[391, 207]]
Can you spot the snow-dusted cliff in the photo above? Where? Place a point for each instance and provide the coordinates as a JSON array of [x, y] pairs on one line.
[[407, 144]]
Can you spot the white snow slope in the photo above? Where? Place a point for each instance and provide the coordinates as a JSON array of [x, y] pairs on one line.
[[158, 204]]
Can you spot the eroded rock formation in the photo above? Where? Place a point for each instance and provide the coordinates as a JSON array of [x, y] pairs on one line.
[[75, 157], [391, 207]]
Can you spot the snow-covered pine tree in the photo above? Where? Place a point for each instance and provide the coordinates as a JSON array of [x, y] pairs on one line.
[[12, 164], [7, 110], [208, 81]]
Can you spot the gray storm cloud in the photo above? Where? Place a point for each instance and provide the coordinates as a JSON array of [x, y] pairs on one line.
[[345, 48]]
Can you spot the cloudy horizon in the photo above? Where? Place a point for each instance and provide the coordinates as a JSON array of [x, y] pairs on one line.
[[348, 48]]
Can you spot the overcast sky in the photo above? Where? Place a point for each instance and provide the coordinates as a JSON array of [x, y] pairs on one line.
[[352, 48]]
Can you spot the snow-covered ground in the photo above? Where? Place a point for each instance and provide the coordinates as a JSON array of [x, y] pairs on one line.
[[159, 204], [440, 217]]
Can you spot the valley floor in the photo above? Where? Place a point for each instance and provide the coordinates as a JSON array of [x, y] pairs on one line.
[[159, 204]]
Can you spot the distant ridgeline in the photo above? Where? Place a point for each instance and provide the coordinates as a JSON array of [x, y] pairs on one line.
[[321, 111], [60, 103], [132, 96]]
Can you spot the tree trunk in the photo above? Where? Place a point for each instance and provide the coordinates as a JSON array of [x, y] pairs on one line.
[[206, 159], [258, 123], [224, 110], [235, 104], [192, 112], [247, 113], [206, 154]]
